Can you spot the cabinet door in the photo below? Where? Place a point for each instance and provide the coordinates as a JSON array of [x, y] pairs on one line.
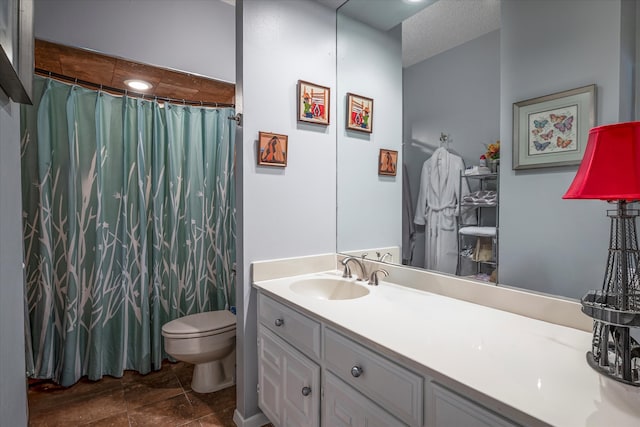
[[289, 382], [345, 407], [452, 410], [387, 383]]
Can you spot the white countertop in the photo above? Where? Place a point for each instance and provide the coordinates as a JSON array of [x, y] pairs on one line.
[[536, 367]]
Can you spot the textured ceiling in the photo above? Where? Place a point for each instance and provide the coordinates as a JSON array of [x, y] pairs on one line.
[[438, 27], [446, 24], [382, 14]]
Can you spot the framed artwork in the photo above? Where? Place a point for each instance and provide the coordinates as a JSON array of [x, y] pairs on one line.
[[387, 162], [313, 103], [553, 130], [272, 149], [359, 113]]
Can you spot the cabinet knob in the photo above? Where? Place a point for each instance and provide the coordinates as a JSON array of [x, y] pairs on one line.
[[279, 322], [306, 391], [356, 371]]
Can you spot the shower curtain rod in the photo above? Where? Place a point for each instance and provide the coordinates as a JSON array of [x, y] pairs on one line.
[[47, 73]]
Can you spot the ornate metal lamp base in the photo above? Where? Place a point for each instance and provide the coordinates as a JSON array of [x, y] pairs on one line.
[[616, 309], [609, 371]]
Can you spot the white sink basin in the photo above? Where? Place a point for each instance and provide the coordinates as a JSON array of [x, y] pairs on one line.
[[329, 288]]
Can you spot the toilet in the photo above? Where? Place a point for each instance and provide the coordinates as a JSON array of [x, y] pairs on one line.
[[207, 340]]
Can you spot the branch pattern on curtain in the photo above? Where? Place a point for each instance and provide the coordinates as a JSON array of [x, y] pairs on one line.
[[129, 222]]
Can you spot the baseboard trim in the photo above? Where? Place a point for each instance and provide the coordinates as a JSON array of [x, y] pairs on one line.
[[257, 420]]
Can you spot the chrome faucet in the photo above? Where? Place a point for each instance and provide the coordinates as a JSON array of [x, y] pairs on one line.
[[347, 270], [373, 280], [383, 257]]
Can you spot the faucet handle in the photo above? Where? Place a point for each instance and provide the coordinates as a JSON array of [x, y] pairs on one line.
[[347, 270], [373, 280]]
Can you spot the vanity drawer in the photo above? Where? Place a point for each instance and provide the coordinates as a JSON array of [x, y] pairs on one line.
[[393, 387], [451, 409], [295, 328], [344, 406]]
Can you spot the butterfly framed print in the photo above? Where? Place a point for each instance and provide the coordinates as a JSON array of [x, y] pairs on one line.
[[359, 113], [552, 130], [313, 103]]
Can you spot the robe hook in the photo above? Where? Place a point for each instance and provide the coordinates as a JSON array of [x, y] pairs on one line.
[[444, 139]]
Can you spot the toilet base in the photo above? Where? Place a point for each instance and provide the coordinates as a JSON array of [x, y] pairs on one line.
[[210, 377]]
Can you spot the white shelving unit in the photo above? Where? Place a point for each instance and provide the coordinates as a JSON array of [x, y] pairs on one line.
[[478, 226]]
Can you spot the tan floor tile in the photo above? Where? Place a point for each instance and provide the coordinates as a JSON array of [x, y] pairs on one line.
[[150, 388], [176, 411], [215, 420], [49, 395], [79, 411], [119, 420], [184, 372], [156, 399], [222, 403]]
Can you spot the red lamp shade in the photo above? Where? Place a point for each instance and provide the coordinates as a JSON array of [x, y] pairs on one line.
[[610, 168]]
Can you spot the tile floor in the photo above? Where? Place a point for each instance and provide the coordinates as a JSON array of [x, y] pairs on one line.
[[161, 398]]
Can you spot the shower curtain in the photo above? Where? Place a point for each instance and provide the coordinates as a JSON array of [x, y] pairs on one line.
[[129, 222]]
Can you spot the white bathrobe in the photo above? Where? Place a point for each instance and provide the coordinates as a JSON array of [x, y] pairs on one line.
[[437, 208]]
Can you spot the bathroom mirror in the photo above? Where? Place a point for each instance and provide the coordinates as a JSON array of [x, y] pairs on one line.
[[464, 86]]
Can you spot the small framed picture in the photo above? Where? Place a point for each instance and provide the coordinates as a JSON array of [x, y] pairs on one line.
[[387, 162], [359, 113], [313, 103], [272, 149]]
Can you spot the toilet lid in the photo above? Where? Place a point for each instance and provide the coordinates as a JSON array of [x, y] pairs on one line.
[[201, 324]]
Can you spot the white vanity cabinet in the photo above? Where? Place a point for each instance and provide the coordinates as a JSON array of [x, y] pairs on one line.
[[310, 374], [289, 383], [360, 387], [288, 380]]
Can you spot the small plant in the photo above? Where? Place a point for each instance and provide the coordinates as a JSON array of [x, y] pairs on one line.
[[493, 151]]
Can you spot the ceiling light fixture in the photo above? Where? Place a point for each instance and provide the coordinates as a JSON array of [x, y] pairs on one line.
[[138, 84]]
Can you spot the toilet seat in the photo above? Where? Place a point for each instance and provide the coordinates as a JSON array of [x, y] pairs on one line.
[[200, 325]]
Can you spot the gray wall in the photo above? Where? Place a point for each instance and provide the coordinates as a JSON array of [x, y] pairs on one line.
[[369, 64], [188, 35], [282, 212], [456, 92], [13, 385], [548, 244]]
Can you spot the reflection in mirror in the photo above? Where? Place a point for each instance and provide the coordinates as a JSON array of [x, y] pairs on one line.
[[369, 65], [431, 102], [463, 65]]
